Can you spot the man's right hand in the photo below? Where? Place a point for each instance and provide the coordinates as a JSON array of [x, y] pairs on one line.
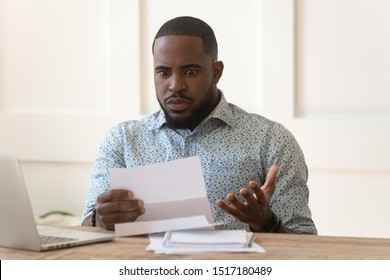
[[117, 206]]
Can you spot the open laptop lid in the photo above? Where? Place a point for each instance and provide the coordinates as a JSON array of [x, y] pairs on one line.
[[18, 228]]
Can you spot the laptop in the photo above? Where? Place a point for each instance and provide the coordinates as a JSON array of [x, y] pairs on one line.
[[18, 228]]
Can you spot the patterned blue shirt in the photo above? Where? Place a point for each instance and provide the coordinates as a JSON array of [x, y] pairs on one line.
[[234, 147]]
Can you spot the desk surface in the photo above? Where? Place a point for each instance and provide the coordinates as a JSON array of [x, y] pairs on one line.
[[277, 246]]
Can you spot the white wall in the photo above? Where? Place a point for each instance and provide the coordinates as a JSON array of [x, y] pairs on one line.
[[57, 185], [350, 202]]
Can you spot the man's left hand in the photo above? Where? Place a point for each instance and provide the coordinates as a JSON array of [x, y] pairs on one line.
[[255, 210]]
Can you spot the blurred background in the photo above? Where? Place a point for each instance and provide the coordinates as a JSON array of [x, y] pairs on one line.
[[71, 69]]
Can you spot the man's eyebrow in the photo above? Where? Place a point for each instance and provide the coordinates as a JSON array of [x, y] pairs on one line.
[[186, 66], [161, 67]]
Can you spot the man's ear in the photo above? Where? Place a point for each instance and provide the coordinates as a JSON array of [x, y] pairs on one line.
[[218, 70]]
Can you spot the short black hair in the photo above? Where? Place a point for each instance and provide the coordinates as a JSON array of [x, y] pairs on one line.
[[190, 26]]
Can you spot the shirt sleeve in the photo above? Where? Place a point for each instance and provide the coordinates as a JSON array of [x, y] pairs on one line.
[[109, 155], [291, 197]]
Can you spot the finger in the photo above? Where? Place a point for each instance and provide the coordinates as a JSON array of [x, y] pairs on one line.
[[114, 194], [269, 185], [236, 202], [110, 220], [271, 177], [228, 208], [258, 192], [251, 201]]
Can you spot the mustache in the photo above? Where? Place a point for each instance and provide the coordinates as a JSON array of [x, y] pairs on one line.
[[176, 95]]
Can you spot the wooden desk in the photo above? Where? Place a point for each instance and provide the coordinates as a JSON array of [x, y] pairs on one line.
[[278, 247]]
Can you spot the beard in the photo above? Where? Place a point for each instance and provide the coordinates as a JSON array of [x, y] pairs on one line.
[[197, 113]]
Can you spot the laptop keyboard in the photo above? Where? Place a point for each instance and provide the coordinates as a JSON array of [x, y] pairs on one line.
[[45, 239]]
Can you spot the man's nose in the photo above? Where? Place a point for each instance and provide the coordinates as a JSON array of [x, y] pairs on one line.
[[177, 83]]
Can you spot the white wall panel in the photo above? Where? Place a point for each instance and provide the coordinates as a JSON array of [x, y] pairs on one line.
[[55, 60], [343, 59], [69, 71]]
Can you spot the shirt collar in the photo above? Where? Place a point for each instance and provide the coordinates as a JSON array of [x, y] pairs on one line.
[[223, 112]]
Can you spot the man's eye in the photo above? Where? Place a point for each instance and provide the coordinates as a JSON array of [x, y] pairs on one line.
[[163, 73], [191, 72]]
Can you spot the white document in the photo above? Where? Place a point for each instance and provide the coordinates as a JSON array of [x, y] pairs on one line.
[[157, 245], [208, 238], [169, 190]]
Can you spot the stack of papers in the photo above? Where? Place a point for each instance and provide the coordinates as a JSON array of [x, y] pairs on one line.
[[203, 241]]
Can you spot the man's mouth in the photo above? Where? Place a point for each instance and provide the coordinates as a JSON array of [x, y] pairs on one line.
[[177, 103]]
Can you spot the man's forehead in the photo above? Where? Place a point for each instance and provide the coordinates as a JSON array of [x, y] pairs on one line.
[[176, 41]]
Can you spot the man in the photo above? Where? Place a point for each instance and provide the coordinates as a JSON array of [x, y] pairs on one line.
[[236, 148]]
